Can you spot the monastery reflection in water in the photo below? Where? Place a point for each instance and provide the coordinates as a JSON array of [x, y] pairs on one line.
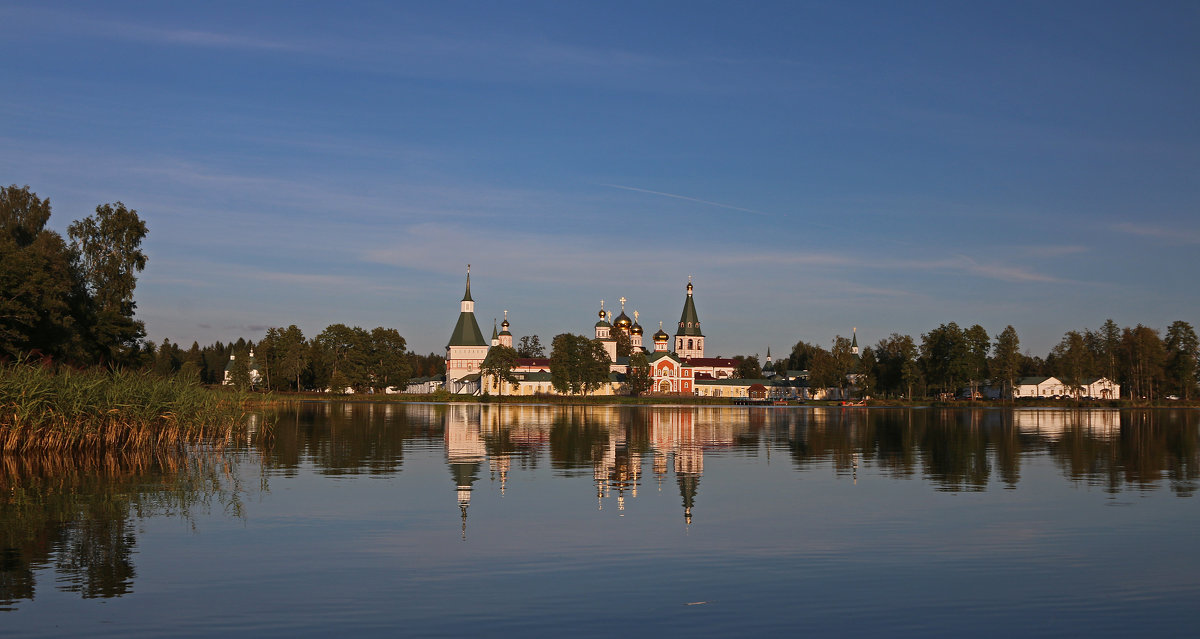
[[953, 449], [674, 439]]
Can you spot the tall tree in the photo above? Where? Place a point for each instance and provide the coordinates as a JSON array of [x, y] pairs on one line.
[[844, 363], [865, 370], [1071, 361], [530, 346], [945, 357], [498, 366], [1006, 358], [897, 368], [1183, 357], [40, 288], [109, 248], [978, 345], [347, 350], [387, 358], [1110, 348], [802, 355], [292, 354], [1142, 356]]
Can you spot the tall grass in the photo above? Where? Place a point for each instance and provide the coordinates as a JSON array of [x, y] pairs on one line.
[[45, 409]]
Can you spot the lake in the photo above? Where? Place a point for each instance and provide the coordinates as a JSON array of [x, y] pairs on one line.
[[439, 520]]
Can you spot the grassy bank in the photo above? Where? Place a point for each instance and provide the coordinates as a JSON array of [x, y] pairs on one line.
[[46, 409]]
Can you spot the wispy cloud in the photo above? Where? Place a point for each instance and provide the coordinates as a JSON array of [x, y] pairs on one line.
[[191, 37], [77, 22], [1003, 272], [685, 197], [1170, 235]]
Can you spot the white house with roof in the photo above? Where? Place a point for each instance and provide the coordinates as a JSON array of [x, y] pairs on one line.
[[1045, 387]]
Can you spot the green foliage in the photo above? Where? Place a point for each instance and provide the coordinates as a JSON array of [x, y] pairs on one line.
[[239, 373], [1072, 361], [387, 359], [1142, 356], [802, 356], [747, 367], [498, 365], [1183, 358], [41, 294], [637, 379], [530, 346], [896, 368], [946, 357], [1006, 358], [864, 372], [109, 249], [578, 365], [624, 343]]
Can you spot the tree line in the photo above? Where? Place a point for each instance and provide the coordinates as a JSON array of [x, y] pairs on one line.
[[1147, 363], [337, 358]]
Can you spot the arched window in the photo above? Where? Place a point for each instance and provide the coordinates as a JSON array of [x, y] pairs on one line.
[[689, 344]]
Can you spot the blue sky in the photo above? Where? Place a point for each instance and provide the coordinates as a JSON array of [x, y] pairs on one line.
[[815, 166]]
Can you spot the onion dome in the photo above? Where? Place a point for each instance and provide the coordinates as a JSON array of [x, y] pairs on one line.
[[504, 325], [623, 322], [636, 329], [603, 316], [661, 335]]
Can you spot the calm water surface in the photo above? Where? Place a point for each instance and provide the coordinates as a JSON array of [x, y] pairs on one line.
[[436, 520]]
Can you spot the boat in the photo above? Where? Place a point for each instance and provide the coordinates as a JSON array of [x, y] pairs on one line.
[[861, 402]]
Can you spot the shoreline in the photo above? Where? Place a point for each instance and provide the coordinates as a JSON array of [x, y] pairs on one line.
[[276, 397]]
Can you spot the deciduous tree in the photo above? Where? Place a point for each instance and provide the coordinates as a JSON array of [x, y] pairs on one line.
[[578, 365], [498, 366], [109, 248]]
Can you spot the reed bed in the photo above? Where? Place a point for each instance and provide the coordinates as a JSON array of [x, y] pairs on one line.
[[46, 409]]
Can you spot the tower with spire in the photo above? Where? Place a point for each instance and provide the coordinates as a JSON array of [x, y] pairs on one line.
[[854, 343], [466, 349], [689, 341]]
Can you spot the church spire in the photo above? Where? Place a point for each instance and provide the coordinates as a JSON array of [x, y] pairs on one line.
[[467, 295]]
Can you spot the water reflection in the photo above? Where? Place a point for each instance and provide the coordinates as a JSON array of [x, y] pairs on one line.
[[953, 450], [76, 514]]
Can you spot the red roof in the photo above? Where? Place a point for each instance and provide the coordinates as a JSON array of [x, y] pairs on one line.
[[534, 362], [714, 362]]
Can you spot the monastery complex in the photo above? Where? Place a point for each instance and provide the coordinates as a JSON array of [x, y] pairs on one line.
[[678, 365]]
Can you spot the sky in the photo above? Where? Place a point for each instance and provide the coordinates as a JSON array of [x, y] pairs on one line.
[[812, 166]]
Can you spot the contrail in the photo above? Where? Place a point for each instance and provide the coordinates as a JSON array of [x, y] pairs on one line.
[[684, 197]]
